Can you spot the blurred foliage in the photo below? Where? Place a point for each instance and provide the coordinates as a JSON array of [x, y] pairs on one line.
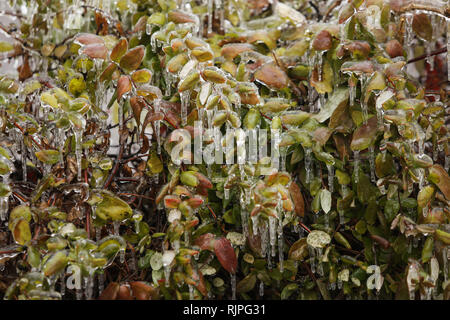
[[92, 204]]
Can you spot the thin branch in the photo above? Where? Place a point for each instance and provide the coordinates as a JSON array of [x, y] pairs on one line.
[[424, 56]]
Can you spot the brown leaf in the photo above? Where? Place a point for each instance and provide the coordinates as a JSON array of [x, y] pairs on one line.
[[137, 104], [140, 25], [272, 76], [225, 254], [321, 135], [142, 290], [394, 48], [123, 86], [132, 59], [365, 135], [204, 182], [232, 50], [108, 72], [124, 293], [181, 17], [342, 146], [381, 241], [96, 51], [297, 198], [119, 50], [364, 66], [24, 70], [323, 41], [102, 23], [110, 292], [421, 25], [359, 48]]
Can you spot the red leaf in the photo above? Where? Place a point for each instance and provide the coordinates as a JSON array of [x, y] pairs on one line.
[[226, 255], [206, 241], [96, 51], [88, 38]]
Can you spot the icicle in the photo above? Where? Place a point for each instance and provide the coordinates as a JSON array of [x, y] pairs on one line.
[[352, 94], [122, 256], [283, 154], [364, 111], [157, 126], [319, 261], [167, 270], [356, 165], [226, 193], [233, 286], [264, 237], [176, 246], [78, 150], [308, 161], [280, 246], [330, 177], [185, 97], [272, 233], [372, 164], [210, 16], [191, 292], [116, 225], [255, 225], [61, 138], [244, 220]]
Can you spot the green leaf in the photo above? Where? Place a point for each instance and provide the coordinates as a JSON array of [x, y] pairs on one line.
[[48, 156], [112, 208]]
